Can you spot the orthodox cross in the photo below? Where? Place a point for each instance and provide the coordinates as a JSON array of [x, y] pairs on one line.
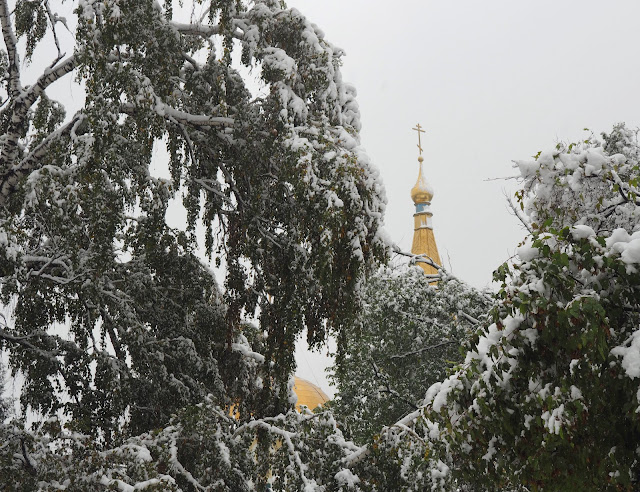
[[419, 129]]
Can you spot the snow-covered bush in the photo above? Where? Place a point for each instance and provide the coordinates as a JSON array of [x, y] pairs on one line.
[[548, 395]]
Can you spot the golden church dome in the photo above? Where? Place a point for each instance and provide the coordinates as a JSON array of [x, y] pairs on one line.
[[308, 394], [422, 192]]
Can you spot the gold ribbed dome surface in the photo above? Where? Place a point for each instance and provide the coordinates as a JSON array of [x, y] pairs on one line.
[[422, 192], [308, 394]]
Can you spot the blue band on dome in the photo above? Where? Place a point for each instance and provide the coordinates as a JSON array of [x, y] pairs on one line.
[[422, 207]]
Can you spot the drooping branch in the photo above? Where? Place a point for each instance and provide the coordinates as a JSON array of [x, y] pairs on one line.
[[53, 18], [24, 342], [287, 437]]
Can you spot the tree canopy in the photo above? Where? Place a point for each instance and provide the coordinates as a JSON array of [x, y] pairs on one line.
[[407, 336], [112, 313]]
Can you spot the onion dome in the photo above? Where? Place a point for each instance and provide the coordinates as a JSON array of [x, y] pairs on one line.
[[308, 394], [422, 192]]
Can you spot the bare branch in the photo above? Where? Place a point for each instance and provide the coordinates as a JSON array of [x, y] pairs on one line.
[[423, 349], [520, 216], [504, 178]]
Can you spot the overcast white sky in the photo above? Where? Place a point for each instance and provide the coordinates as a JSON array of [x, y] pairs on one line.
[[491, 82]]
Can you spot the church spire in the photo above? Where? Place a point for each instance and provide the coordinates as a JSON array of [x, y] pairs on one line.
[[424, 242]]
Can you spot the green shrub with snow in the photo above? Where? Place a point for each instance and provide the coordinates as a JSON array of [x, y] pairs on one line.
[[548, 395]]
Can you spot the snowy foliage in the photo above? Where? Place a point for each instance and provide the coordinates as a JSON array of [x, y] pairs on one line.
[[202, 448], [140, 372], [114, 321], [407, 336], [548, 395]]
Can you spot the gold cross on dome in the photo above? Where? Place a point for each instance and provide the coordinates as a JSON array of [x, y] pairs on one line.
[[419, 129]]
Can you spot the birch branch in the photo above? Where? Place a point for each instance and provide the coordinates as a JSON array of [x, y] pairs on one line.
[[10, 177], [22, 102], [23, 341], [203, 30], [10, 42], [183, 117]]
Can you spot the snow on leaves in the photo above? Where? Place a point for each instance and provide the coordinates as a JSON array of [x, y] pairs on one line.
[[525, 407], [84, 233], [117, 325]]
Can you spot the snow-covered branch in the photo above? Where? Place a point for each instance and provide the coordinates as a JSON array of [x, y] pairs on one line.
[[50, 75], [201, 30], [183, 117], [24, 342], [9, 178], [421, 259], [359, 455], [287, 437]]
